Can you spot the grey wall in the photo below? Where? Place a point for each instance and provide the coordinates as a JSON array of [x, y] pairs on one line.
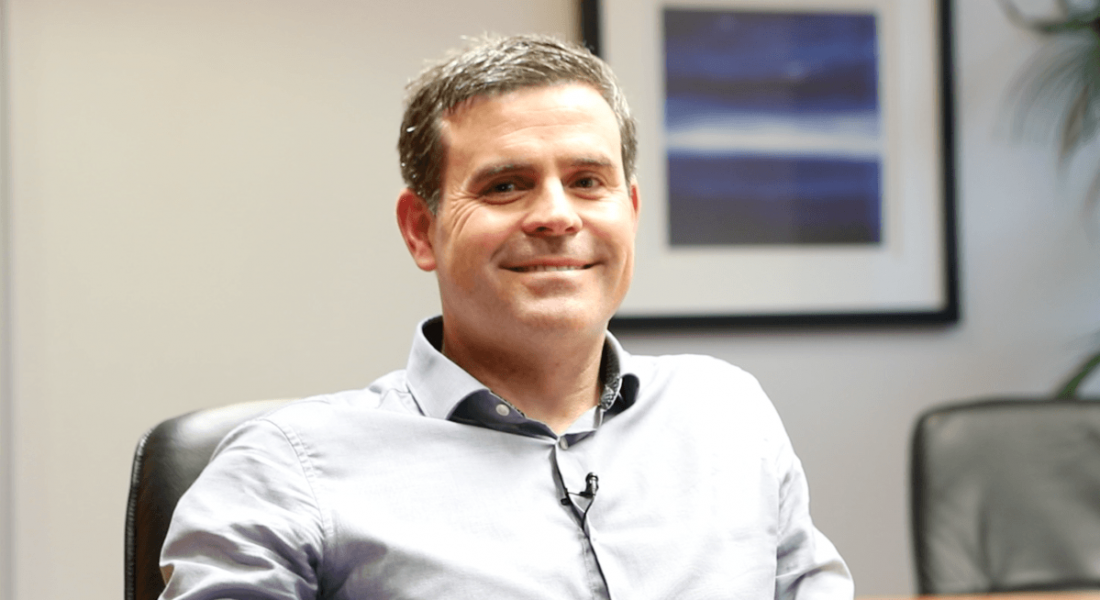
[[201, 212]]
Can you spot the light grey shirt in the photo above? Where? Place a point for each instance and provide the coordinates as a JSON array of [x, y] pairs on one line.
[[425, 485]]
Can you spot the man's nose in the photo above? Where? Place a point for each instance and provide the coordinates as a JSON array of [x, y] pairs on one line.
[[552, 212]]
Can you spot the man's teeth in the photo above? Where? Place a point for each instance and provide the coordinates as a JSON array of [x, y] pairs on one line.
[[538, 268]]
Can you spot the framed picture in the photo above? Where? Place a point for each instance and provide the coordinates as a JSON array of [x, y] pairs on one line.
[[795, 159]]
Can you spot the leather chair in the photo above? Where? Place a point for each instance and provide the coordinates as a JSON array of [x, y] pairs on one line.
[[168, 459], [1006, 496]]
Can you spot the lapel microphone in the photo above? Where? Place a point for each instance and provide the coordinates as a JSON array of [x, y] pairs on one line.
[[591, 486]]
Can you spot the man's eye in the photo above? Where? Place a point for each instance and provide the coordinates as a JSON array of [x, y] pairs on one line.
[[504, 188], [586, 182]]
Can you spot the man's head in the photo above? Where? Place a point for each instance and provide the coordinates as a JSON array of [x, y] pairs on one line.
[[494, 66], [531, 233]]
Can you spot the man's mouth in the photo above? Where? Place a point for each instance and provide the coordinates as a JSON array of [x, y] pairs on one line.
[[547, 268]]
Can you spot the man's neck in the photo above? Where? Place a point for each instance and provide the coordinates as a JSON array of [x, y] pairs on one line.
[[553, 379]]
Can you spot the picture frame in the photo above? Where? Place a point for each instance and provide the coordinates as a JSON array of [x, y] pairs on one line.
[[795, 162]]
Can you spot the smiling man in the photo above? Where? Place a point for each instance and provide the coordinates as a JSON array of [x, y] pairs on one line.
[[522, 453], [532, 243]]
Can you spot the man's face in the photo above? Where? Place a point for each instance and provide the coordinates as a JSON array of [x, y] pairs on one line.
[[536, 223]]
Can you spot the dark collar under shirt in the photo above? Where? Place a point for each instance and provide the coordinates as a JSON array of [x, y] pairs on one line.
[[482, 408]]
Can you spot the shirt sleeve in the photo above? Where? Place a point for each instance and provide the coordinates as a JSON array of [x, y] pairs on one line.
[[250, 526], [808, 566]]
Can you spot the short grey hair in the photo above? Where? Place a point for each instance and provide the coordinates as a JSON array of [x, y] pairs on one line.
[[494, 65]]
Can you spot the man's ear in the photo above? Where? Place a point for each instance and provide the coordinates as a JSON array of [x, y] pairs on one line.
[[415, 221], [635, 201]]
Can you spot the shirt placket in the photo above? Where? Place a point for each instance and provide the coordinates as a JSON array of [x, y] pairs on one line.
[[572, 469]]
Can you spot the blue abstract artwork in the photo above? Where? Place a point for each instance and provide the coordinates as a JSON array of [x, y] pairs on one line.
[[772, 128]]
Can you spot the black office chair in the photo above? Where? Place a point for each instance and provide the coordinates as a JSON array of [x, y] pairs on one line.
[[1006, 496], [168, 459]]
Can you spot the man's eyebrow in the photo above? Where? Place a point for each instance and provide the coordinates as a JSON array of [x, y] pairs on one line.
[[491, 171], [602, 163]]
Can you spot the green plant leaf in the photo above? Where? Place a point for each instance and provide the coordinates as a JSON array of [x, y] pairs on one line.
[[1068, 389]]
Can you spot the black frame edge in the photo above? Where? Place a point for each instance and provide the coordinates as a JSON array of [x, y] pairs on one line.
[[590, 25]]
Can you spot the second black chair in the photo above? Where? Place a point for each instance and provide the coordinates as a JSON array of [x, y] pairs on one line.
[[1006, 496]]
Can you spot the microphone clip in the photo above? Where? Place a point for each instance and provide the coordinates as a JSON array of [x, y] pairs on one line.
[[591, 486]]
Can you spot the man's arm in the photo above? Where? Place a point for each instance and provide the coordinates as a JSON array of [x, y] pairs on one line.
[[250, 527], [808, 565]]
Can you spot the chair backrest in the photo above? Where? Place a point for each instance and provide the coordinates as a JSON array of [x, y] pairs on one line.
[[168, 459], [1006, 496]]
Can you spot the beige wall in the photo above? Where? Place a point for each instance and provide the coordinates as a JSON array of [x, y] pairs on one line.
[[201, 212], [5, 379]]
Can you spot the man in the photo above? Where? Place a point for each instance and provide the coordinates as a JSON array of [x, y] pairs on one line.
[[522, 453]]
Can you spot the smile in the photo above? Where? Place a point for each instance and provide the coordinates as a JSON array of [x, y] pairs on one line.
[[547, 268]]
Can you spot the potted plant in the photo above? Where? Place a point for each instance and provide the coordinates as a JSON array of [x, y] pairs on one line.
[[1059, 92]]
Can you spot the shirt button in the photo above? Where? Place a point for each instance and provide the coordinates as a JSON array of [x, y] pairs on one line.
[[563, 444], [503, 410]]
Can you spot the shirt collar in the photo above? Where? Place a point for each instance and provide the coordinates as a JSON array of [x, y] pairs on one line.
[[438, 385]]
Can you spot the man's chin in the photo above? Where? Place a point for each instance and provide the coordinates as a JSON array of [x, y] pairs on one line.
[[564, 318]]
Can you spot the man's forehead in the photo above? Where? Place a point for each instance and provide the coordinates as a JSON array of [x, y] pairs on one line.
[[488, 136], [479, 146]]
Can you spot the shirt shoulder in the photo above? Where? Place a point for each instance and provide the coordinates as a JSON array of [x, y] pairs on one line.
[[687, 364], [711, 392], [318, 417], [718, 377], [389, 393]]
